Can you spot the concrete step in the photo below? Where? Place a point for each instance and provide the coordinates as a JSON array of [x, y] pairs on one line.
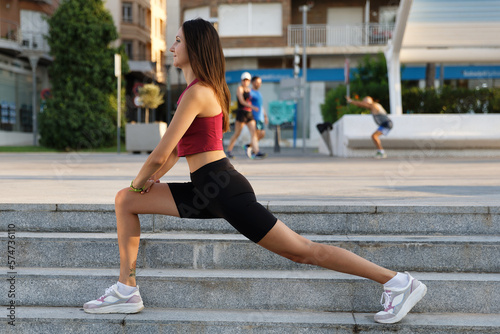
[[324, 291], [36, 320], [233, 251], [322, 218]]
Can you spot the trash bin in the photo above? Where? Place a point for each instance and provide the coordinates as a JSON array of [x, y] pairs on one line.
[[324, 129]]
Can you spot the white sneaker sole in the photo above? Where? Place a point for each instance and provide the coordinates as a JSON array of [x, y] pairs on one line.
[[414, 298], [120, 308]]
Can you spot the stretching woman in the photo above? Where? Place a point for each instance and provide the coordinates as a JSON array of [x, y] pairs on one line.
[[217, 190]]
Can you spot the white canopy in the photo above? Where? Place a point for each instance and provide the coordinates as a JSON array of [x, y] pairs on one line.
[[465, 31]]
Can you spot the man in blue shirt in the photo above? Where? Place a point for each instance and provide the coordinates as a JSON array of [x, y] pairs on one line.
[[260, 115]]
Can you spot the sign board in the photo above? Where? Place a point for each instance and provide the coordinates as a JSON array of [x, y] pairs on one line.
[[280, 112], [118, 65], [137, 101]]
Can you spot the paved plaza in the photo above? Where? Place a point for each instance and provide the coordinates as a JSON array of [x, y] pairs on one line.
[[293, 175]]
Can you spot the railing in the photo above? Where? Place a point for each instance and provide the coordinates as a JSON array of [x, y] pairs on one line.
[[34, 40], [9, 30], [27, 40], [341, 35]]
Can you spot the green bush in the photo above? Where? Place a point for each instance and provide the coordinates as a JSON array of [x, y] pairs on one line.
[[370, 79], [451, 100]]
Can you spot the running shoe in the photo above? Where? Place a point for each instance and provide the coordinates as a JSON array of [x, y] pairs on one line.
[[114, 302], [398, 302], [248, 150], [230, 154], [259, 155], [380, 155]]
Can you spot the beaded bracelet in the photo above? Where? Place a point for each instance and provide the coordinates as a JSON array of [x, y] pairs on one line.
[[134, 188]]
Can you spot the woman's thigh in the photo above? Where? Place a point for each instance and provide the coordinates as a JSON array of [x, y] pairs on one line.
[[158, 200], [285, 242]]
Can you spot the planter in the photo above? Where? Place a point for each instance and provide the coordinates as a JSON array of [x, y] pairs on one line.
[[142, 137]]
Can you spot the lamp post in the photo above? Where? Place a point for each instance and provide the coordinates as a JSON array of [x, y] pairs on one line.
[[304, 9], [169, 93], [34, 63], [179, 71]]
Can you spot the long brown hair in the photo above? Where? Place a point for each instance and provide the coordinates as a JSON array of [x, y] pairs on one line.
[[207, 61]]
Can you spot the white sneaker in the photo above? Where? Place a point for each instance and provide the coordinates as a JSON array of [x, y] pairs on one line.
[[380, 155], [114, 302], [398, 302]]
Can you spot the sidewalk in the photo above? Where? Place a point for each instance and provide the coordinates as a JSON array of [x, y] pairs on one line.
[[290, 176]]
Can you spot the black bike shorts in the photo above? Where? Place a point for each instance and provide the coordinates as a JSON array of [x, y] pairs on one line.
[[217, 190], [244, 116]]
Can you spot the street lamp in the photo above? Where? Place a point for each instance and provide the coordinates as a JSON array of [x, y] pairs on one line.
[[304, 9], [169, 92]]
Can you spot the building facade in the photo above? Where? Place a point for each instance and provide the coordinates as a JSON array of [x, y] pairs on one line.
[[263, 36], [141, 25], [24, 60]]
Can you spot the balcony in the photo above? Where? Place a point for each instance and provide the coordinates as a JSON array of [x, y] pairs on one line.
[[320, 35], [9, 37], [14, 40], [34, 41]]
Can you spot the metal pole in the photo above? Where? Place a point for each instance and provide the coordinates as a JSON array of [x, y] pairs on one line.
[[118, 118], [118, 74], [304, 9], [169, 94], [34, 63]]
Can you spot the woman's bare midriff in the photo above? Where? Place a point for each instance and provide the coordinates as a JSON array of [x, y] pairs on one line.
[[198, 160]]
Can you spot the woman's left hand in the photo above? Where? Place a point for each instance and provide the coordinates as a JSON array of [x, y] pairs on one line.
[[149, 184]]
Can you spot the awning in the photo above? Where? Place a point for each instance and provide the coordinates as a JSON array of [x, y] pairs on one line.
[[451, 31]]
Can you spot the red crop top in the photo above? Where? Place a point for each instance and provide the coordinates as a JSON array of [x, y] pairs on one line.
[[204, 134]]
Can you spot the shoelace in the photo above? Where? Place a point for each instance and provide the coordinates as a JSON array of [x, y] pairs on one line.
[[385, 299], [107, 292]]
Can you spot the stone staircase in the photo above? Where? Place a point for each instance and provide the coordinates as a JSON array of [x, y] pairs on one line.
[[202, 277]]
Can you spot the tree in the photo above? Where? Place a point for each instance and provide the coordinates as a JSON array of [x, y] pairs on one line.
[[150, 97], [80, 113]]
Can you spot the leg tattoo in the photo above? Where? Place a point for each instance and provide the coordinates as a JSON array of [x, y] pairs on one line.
[[132, 270]]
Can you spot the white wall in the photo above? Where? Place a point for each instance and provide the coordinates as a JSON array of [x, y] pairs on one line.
[[115, 8], [317, 97]]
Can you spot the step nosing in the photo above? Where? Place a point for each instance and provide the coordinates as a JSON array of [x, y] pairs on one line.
[[244, 274], [214, 237], [246, 316]]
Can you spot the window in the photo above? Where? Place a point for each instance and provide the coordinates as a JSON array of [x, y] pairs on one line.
[[148, 18], [198, 12], [142, 51], [128, 46], [388, 14], [33, 27], [142, 16], [127, 12], [252, 19]]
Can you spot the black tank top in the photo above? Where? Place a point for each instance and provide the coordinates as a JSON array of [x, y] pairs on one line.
[[246, 97]]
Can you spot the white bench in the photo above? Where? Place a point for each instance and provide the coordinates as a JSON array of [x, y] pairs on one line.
[[436, 134]]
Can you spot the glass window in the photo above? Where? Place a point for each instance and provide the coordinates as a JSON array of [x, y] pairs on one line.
[[127, 12], [128, 46], [252, 19]]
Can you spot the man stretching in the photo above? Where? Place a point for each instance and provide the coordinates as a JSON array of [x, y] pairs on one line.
[[380, 117]]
